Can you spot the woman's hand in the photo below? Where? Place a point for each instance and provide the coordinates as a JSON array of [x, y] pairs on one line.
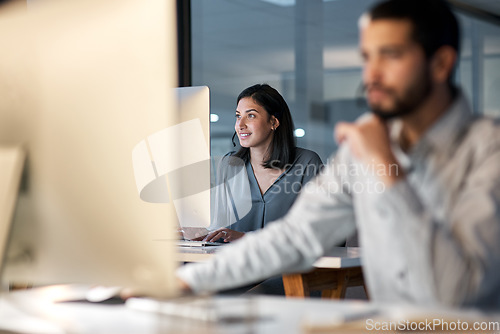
[[225, 234]]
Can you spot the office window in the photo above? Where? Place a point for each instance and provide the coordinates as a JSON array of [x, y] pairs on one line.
[[308, 50], [479, 69]]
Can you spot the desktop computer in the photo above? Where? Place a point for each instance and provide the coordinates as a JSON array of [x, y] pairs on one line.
[[185, 180], [81, 84], [11, 166]]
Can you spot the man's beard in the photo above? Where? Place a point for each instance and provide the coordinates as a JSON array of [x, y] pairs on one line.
[[412, 98]]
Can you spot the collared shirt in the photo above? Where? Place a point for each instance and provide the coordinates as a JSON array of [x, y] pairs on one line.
[[237, 202], [432, 238]]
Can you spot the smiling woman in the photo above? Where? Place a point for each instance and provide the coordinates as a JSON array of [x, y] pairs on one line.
[[254, 126], [259, 183]]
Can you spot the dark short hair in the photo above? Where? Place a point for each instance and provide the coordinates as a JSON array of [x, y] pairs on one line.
[[434, 24], [282, 148]]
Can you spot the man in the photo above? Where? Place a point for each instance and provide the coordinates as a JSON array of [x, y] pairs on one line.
[[419, 177]]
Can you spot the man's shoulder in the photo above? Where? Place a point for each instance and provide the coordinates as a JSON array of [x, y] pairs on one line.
[[485, 127], [483, 134], [475, 126]]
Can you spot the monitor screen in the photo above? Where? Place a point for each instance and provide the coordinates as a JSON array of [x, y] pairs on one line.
[[82, 84], [185, 180]]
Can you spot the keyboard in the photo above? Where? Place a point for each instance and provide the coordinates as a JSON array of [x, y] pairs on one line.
[[192, 243], [221, 310]]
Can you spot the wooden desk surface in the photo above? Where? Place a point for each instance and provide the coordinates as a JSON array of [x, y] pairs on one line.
[[340, 257], [333, 273]]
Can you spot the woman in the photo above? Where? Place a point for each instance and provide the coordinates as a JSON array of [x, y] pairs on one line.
[[259, 183]]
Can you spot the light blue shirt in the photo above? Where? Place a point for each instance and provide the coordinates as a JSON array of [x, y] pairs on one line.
[[433, 238]]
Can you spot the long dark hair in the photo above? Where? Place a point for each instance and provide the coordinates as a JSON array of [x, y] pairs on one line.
[[281, 150]]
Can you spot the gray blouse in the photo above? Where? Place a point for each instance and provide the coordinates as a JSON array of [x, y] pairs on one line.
[[237, 202]]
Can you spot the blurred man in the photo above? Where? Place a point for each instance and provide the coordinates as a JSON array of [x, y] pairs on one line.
[[418, 177]]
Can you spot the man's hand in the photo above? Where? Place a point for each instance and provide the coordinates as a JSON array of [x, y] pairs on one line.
[[368, 140], [225, 234]]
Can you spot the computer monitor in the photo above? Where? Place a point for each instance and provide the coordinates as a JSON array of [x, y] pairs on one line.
[[81, 84], [11, 166], [184, 181]]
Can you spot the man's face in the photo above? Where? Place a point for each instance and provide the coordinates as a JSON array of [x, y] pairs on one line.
[[396, 74]]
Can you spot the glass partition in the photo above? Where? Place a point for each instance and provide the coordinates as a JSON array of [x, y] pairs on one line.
[[308, 50]]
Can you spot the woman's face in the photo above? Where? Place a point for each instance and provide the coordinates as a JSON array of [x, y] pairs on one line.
[[253, 124]]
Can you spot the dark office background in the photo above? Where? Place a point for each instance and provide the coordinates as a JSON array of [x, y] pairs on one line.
[[308, 50]]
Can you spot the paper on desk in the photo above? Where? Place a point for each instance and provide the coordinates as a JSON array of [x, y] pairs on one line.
[[350, 316], [18, 321]]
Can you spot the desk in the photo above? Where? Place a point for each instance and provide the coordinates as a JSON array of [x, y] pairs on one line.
[[38, 311], [332, 274]]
